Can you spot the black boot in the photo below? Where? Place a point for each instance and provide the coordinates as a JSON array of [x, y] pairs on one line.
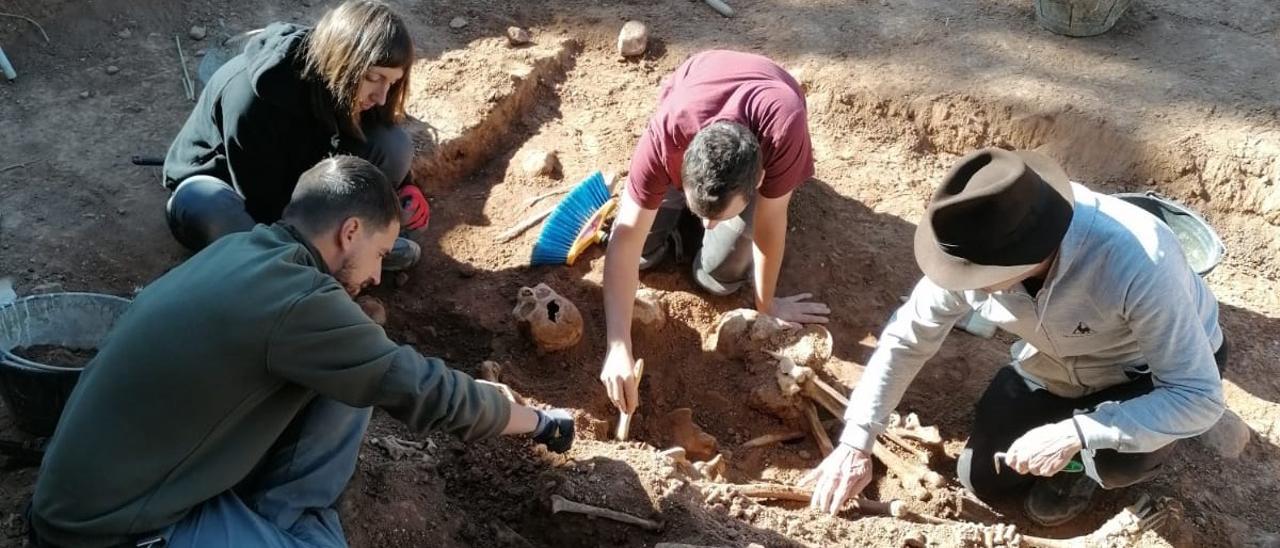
[[1056, 500]]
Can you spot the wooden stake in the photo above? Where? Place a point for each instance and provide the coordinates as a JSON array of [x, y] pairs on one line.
[[523, 225], [624, 420]]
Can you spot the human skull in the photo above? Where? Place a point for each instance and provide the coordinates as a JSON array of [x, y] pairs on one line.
[[552, 321]]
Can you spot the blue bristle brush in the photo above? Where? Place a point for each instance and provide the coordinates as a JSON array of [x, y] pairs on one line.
[[576, 223]]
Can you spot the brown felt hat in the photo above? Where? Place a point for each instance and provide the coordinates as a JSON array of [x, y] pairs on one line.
[[995, 216]]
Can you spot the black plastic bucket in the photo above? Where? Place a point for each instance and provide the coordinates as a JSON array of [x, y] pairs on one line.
[[35, 393]]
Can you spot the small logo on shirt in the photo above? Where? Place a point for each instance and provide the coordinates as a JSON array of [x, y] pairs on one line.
[[1082, 329]]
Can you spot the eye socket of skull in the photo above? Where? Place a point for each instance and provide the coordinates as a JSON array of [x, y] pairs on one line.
[[524, 309], [553, 310]]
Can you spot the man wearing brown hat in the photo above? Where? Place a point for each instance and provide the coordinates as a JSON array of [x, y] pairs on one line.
[[1119, 347]]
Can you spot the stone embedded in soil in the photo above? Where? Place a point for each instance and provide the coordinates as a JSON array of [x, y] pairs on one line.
[[198, 32], [633, 39], [112, 69], [915, 539], [1228, 437], [491, 371], [679, 429], [540, 162], [649, 309], [517, 36], [458, 22], [731, 329], [373, 308]]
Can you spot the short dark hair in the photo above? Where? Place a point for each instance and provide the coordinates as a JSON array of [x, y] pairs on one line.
[[722, 161], [338, 188]]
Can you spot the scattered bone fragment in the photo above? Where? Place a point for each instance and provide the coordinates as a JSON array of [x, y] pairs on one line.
[[680, 430], [910, 428], [540, 162], [560, 504], [712, 469], [815, 428]]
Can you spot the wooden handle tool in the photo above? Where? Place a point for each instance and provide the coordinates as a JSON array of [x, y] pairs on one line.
[[624, 420]]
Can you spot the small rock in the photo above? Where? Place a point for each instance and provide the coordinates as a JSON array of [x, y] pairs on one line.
[[402, 279], [121, 211], [51, 287], [648, 309], [633, 39], [804, 454], [112, 69], [373, 308], [124, 33], [540, 162], [517, 36], [458, 22], [915, 539], [1228, 437], [200, 52], [198, 32], [308, 3], [86, 94]]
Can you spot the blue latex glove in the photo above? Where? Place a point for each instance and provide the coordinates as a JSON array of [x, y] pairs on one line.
[[555, 430]]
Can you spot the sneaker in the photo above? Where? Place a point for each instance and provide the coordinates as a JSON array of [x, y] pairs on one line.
[[404, 254], [1056, 500]]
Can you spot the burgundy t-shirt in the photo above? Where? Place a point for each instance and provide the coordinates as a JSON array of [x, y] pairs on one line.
[[724, 85]]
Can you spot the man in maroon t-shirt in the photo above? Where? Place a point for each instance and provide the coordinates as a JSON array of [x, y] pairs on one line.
[[729, 143]]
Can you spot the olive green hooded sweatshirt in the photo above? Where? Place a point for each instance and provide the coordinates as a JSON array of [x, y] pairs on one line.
[[206, 369]]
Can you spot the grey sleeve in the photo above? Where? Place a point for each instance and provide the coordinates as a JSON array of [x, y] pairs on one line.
[[1187, 399], [912, 336]]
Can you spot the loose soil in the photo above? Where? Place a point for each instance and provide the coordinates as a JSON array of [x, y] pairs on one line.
[[1179, 98], [59, 356]]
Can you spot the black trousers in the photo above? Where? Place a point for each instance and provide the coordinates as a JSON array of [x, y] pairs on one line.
[[1009, 409], [204, 208]]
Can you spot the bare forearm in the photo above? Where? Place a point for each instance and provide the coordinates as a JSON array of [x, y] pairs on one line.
[[770, 244], [621, 278]]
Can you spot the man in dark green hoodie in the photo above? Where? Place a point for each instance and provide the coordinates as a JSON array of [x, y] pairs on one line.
[[227, 406]]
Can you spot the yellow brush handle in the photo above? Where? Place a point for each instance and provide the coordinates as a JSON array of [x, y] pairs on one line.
[[594, 231]]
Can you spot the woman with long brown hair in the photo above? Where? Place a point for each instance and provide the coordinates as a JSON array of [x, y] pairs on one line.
[[293, 97]]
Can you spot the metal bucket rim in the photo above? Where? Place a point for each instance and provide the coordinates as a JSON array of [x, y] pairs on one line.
[[10, 359]]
